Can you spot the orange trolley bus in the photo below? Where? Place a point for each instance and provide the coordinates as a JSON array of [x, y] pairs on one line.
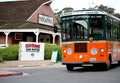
[[90, 37]]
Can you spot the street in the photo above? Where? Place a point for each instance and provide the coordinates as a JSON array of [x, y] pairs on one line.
[[59, 74]]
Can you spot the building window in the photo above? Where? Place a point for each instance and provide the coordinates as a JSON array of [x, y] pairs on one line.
[[18, 36]]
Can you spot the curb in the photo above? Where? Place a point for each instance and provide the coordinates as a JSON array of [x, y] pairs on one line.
[[11, 74]]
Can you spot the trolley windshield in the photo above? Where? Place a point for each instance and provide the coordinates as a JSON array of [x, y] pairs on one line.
[[83, 27]]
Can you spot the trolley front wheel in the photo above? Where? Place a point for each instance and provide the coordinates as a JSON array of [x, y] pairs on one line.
[[70, 67], [119, 62]]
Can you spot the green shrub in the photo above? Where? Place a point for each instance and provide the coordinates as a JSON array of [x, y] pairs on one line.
[[10, 52], [49, 48], [1, 59], [1, 51]]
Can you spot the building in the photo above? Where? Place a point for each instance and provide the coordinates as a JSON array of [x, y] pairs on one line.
[[28, 21]]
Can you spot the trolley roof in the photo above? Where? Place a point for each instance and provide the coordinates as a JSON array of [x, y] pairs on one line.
[[88, 12]]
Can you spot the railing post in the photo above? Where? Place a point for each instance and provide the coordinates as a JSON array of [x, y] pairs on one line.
[[6, 40]]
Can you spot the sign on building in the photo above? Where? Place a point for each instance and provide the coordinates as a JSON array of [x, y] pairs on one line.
[[31, 51], [46, 20]]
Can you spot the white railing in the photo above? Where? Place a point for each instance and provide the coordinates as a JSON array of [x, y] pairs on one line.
[[4, 45]]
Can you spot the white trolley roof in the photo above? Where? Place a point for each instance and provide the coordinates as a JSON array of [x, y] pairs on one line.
[[88, 12]]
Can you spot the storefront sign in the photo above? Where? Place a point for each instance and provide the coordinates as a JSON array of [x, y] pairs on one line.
[[46, 20], [31, 51]]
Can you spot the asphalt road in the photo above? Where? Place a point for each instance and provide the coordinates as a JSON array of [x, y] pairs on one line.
[[59, 74]]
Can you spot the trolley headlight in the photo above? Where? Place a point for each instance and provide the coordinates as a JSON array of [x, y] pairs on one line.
[[94, 51], [69, 51], [81, 56], [101, 50], [65, 51]]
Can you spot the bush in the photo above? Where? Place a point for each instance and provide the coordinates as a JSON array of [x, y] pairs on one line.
[[1, 59], [10, 52], [49, 48], [1, 51]]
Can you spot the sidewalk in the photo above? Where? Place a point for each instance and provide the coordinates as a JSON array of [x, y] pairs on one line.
[[10, 64], [20, 64]]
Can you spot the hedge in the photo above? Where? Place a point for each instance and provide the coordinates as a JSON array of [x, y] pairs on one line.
[[49, 48], [1, 58], [11, 52]]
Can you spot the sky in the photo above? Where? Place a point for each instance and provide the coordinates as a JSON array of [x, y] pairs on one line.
[[80, 4]]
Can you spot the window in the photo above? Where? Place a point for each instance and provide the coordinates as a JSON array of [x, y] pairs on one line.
[[96, 28], [18, 36], [109, 31], [66, 31], [79, 31]]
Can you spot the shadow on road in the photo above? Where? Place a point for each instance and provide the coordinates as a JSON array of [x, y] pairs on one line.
[[95, 69]]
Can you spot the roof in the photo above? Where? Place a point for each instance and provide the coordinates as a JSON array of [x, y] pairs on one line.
[[24, 25], [13, 15], [20, 10], [88, 12]]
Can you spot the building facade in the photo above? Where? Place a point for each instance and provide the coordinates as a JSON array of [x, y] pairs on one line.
[[28, 21]]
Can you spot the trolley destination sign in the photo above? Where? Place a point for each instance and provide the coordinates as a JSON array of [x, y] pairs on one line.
[[82, 17], [78, 12]]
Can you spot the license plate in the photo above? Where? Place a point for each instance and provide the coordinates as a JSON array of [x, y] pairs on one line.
[[87, 65], [92, 59]]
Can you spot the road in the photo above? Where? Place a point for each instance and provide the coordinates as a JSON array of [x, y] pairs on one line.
[[59, 74]]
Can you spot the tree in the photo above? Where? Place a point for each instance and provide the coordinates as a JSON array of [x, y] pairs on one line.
[[64, 10], [67, 9], [107, 9], [117, 15], [57, 14]]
